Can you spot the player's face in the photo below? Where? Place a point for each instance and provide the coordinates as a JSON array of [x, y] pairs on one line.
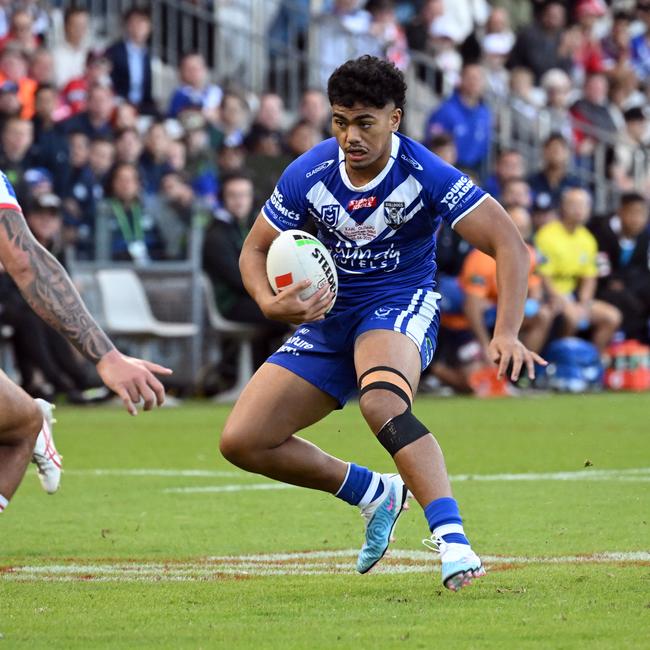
[[364, 134]]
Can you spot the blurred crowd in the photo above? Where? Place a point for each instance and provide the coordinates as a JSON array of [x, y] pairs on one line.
[[105, 171]]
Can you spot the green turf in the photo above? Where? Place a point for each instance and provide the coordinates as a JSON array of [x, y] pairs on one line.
[[106, 519]]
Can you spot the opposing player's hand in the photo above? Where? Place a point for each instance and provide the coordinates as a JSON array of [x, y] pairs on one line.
[[288, 307], [133, 379], [504, 350]]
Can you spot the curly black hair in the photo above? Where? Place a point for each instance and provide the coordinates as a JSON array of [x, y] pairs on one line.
[[369, 81]]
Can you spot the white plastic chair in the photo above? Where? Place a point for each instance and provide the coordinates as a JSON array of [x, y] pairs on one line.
[[127, 311], [243, 332]]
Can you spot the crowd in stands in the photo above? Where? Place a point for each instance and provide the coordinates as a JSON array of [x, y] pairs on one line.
[[108, 172]]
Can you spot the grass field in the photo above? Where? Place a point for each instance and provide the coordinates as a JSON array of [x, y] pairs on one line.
[[154, 541]]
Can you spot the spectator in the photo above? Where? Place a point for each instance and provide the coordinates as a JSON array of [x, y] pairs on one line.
[[509, 165], [21, 33], [589, 56], [201, 167], [467, 118], [544, 44], [554, 177], [125, 117], [153, 161], [268, 121], [15, 151], [177, 156], [96, 119], [592, 118], [418, 30], [13, 67], [524, 107], [569, 266], [555, 117], [224, 238], [624, 264], [233, 118], [465, 16], [314, 109], [131, 61], [302, 137], [128, 146], [196, 91], [41, 67], [343, 33], [516, 192], [9, 102], [75, 94], [448, 60], [478, 279], [50, 147], [444, 147], [498, 27], [495, 49], [126, 229], [177, 210], [70, 55], [616, 46], [542, 212], [640, 45], [388, 32]]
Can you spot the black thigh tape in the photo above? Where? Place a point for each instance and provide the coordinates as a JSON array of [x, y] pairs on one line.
[[401, 431]]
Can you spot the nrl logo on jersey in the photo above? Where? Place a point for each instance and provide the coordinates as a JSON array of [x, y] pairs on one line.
[[330, 215], [394, 214]]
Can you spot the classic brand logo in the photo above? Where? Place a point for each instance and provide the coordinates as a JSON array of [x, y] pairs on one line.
[[410, 161], [358, 204], [319, 168], [394, 214]]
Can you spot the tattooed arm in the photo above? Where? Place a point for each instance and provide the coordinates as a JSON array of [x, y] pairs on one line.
[[48, 289]]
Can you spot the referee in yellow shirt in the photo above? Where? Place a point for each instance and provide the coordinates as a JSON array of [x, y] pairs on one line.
[[568, 266]]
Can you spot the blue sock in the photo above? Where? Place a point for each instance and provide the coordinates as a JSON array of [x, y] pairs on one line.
[[356, 486], [444, 520]]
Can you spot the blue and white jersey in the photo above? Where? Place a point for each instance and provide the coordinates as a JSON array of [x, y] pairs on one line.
[[381, 235], [8, 198]]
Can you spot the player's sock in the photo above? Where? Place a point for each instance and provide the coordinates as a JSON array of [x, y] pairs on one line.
[[3, 503], [444, 520], [361, 486]]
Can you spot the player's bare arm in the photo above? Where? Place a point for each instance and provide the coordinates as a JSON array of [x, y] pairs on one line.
[[489, 229], [47, 288], [286, 306]]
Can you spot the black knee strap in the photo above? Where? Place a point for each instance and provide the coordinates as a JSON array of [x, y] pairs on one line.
[[386, 385], [401, 431]]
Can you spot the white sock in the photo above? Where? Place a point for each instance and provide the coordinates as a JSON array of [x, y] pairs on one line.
[[3, 503]]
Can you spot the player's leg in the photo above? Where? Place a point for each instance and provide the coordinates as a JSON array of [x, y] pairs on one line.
[[259, 434], [388, 366], [20, 423]]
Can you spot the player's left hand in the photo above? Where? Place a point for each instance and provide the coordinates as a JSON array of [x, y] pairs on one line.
[[133, 379], [504, 350]]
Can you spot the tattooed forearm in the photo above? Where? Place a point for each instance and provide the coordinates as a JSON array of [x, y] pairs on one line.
[[47, 288]]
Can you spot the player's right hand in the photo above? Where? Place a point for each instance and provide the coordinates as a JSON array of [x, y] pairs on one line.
[[288, 307], [133, 379]]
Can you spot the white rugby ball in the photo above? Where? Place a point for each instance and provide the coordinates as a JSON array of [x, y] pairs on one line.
[[295, 256]]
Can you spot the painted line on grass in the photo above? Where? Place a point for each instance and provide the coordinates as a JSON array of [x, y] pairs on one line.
[[310, 563], [641, 474], [169, 473]]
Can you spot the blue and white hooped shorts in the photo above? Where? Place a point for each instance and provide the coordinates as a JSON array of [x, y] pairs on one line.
[[322, 352]]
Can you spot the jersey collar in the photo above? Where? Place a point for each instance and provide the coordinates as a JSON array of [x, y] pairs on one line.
[[395, 143]]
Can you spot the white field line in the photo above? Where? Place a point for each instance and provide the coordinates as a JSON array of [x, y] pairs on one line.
[[170, 473], [641, 474], [277, 564]]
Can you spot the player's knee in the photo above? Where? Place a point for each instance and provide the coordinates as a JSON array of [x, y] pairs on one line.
[[384, 393], [379, 406], [232, 446], [31, 423]]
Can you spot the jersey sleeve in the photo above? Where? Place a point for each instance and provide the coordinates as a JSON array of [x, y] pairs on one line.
[[453, 194], [8, 198], [287, 206]]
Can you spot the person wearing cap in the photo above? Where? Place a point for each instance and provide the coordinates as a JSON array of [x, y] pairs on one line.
[[70, 54], [640, 45]]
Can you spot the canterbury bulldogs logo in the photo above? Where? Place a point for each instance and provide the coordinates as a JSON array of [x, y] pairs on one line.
[[330, 215], [394, 214]]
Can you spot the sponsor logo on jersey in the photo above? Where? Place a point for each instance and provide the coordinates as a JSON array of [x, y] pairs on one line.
[[358, 204], [394, 213], [361, 260], [319, 168], [363, 231], [457, 191], [410, 161], [277, 201], [330, 215]]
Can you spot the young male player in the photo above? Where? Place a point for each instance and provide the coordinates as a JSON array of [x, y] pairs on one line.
[[377, 198], [25, 424]]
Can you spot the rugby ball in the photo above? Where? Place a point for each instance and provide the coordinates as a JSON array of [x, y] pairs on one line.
[[295, 256]]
